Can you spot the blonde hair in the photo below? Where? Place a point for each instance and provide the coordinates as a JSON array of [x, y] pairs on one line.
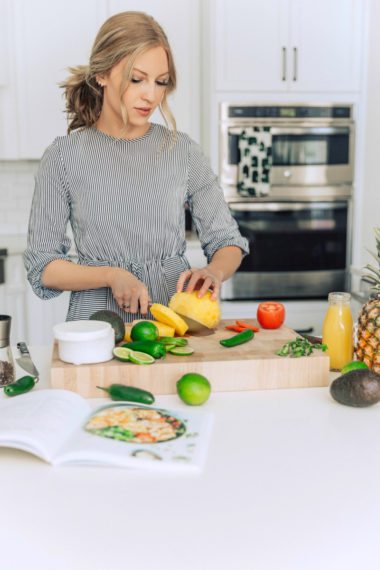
[[128, 34]]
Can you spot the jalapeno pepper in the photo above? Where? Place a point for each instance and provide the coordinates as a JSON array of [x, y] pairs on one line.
[[239, 338], [22, 385], [120, 392]]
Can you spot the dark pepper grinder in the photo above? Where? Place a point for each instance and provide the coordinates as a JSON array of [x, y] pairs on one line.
[[7, 366]]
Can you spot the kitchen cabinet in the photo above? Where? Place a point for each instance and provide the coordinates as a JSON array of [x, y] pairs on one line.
[[48, 37], [287, 45], [39, 40]]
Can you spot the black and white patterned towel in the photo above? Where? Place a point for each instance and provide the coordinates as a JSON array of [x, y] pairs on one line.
[[255, 146]]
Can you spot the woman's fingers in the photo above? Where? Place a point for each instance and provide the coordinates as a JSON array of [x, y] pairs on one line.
[[185, 275], [144, 301]]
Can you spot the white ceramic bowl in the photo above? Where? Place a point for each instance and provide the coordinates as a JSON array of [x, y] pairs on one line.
[[85, 342]]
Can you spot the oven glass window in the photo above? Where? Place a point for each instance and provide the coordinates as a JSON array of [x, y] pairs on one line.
[[294, 240], [309, 149]]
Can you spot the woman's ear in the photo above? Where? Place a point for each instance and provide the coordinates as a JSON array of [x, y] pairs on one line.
[[100, 80]]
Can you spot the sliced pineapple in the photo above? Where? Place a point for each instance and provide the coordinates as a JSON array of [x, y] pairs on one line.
[[165, 315]]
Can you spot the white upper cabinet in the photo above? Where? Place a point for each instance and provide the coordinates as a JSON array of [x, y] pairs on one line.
[[251, 39], [287, 45], [326, 45], [49, 37]]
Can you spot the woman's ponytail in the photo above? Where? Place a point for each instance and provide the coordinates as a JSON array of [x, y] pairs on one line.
[[84, 98]]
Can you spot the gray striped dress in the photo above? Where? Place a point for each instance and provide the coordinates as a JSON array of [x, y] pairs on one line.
[[125, 201]]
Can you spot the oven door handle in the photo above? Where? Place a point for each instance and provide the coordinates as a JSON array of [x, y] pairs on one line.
[[310, 130], [283, 207]]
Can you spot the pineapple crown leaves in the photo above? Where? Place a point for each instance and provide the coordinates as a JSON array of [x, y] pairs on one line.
[[373, 278]]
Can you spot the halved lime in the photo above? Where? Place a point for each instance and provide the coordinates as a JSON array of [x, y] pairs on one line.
[[182, 350], [140, 357], [169, 347], [122, 353]]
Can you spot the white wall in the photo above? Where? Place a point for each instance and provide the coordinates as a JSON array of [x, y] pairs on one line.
[[369, 207]]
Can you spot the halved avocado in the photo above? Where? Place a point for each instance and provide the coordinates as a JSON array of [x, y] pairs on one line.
[[113, 319], [358, 388]]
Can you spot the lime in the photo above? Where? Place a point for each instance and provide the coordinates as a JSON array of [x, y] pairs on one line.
[[182, 350], [168, 347], [354, 365], [140, 357], [144, 330], [122, 353], [193, 389]]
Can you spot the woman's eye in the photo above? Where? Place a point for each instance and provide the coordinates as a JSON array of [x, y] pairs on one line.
[[162, 83], [135, 80]]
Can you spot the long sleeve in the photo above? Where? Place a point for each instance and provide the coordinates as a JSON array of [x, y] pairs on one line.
[[212, 218], [49, 216]]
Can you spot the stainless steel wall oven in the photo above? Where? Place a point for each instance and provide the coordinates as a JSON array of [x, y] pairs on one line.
[[287, 173]]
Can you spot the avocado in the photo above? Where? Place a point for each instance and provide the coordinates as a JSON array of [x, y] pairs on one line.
[[358, 388], [113, 319]]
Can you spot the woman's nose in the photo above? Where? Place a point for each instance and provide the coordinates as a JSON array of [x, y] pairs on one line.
[[150, 92]]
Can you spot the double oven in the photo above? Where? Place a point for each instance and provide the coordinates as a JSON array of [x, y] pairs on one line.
[[287, 174]]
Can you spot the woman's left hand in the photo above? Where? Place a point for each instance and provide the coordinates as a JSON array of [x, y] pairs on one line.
[[202, 279]]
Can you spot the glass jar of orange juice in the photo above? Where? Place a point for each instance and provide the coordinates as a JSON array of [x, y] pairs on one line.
[[338, 330]]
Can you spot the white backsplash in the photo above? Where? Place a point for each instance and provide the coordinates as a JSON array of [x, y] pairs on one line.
[[16, 193]]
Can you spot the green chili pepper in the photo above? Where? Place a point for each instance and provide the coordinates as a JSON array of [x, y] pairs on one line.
[[21, 386], [152, 347], [299, 347], [120, 392], [239, 338]]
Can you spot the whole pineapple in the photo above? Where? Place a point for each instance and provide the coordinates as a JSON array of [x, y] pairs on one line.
[[367, 346]]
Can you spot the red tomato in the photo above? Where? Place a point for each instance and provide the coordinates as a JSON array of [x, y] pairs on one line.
[[271, 314]]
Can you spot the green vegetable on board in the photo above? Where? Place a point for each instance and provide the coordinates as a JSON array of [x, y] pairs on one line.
[[300, 347], [120, 392], [22, 385], [237, 339], [152, 347]]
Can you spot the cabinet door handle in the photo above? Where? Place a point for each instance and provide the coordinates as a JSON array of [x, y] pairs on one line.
[[283, 64], [295, 63]]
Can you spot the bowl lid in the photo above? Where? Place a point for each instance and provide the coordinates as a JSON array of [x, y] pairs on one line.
[[81, 330]]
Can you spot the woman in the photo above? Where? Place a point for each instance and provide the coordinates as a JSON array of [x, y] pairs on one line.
[[122, 183]]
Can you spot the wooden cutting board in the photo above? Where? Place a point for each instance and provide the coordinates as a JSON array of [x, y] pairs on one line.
[[250, 366]]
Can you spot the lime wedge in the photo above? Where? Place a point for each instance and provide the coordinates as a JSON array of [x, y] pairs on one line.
[[182, 350], [140, 357], [122, 353]]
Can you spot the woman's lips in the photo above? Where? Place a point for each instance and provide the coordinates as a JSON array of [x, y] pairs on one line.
[[143, 111]]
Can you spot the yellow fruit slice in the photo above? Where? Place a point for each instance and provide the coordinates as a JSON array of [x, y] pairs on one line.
[[168, 317], [163, 329], [127, 334]]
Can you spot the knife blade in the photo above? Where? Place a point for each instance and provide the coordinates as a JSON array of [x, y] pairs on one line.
[[25, 360]]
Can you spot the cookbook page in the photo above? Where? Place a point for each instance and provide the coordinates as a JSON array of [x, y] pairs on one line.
[[140, 437], [39, 422]]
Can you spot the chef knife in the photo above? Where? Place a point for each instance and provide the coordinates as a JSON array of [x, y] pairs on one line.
[[25, 360]]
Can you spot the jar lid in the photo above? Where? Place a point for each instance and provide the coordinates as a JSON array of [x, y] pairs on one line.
[[81, 330]]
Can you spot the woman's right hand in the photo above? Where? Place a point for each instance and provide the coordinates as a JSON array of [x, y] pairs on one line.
[[129, 292]]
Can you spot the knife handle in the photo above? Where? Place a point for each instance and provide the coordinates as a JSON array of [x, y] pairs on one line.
[[22, 348]]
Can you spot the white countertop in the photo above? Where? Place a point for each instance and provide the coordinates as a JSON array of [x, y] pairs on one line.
[[291, 483]]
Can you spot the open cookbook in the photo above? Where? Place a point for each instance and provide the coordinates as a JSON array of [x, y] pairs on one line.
[[62, 428]]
